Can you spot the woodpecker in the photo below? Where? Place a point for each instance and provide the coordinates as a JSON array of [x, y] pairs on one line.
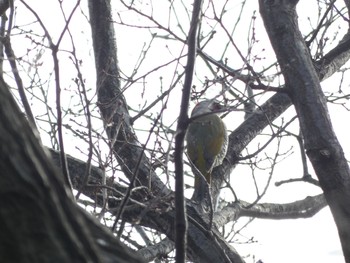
[[206, 143]]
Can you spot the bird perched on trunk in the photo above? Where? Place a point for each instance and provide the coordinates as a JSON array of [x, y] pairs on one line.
[[206, 143]]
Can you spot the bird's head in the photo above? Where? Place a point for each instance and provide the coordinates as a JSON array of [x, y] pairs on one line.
[[207, 106]]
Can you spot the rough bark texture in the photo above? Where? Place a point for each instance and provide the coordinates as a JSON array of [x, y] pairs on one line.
[[112, 102], [128, 151], [303, 85], [203, 246], [39, 221]]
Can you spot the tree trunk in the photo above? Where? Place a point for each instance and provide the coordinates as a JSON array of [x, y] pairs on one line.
[[203, 247], [303, 85], [39, 221]]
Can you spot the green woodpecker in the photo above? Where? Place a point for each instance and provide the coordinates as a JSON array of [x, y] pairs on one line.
[[206, 143]]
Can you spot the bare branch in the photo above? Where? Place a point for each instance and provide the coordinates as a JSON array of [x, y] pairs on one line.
[[305, 208], [155, 251], [181, 218]]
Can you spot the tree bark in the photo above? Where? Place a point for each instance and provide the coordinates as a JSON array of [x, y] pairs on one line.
[[39, 221], [202, 245], [303, 85], [130, 155]]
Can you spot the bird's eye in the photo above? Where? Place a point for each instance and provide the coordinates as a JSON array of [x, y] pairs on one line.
[[216, 106]]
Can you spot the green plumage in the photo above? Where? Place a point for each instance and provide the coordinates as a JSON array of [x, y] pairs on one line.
[[206, 147]]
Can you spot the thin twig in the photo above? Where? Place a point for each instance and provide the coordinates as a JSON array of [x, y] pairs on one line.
[[12, 60], [133, 179], [180, 215]]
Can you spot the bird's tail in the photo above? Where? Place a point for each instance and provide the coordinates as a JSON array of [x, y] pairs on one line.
[[201, 186]]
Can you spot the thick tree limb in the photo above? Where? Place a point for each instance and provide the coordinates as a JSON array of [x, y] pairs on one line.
[[126, 147], [159, 209], [150, 253], [128, 151], [321, 144], [38, 216], [271, 109], [112, 102], [305, 208]]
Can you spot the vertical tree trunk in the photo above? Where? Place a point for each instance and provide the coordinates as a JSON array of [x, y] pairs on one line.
[[303, 85]]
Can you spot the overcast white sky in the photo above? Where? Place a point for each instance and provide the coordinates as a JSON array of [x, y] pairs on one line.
[[303, 240]]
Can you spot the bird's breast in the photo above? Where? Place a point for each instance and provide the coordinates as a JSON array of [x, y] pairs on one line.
[[207, 138]]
